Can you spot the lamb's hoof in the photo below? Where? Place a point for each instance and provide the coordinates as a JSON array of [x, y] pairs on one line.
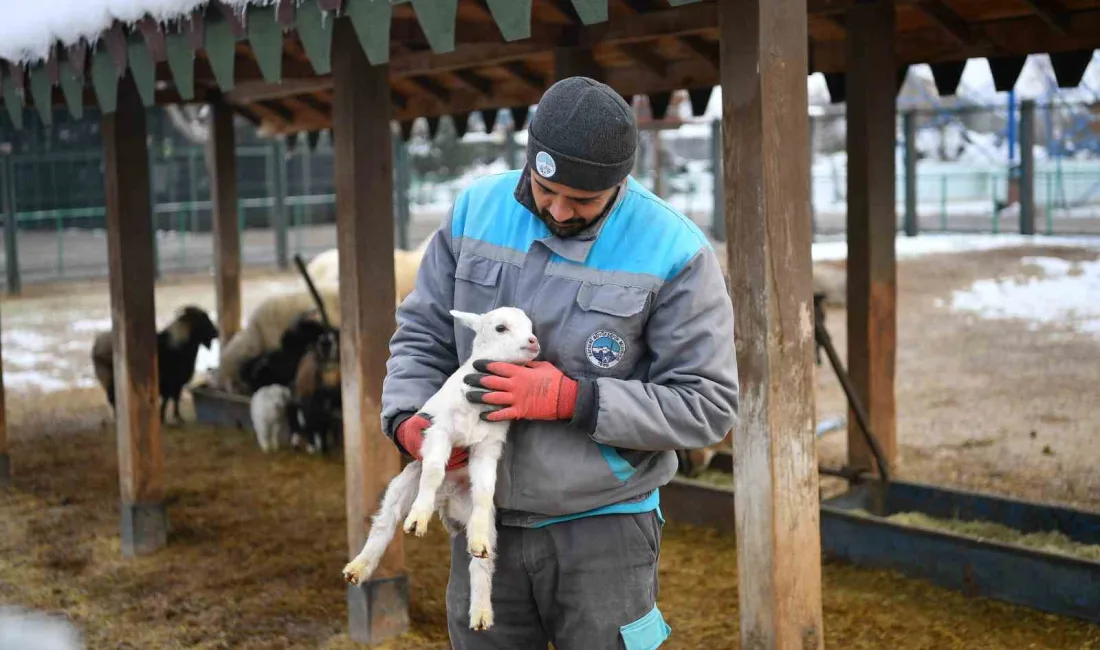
[[353, 572], [481, 618], [417, 522], [478, 546]]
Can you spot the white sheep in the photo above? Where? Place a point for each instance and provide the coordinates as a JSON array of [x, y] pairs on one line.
[[324, 269], [463, 497], [265, 328], [268, 408]]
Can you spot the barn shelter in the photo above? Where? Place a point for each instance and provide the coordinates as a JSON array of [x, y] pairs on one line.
[[367, 68]]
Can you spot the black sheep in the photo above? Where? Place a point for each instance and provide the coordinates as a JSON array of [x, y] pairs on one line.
[[177, 347], [280, 366]]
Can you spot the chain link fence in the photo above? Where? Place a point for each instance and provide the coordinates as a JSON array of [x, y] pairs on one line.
[[967, 180]]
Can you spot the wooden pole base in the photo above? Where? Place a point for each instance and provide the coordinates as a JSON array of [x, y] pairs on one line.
[[144, 528], [378, 609], [5, 470]]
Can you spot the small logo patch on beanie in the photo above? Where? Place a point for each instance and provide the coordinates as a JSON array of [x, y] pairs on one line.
[[545, 164]]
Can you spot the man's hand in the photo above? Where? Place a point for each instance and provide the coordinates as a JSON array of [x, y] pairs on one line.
[[537, 391], [411, 436]]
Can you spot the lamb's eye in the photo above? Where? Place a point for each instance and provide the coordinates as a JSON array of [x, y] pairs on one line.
[[502, 328]]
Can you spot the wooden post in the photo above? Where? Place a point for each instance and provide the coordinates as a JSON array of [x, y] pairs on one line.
[[575, 61], [718, 220], [11, 225], [133, 317], [765, 136], [872, 225], [1027, 167], [278, 182], [910, 123], [377, 609], [227, 234]]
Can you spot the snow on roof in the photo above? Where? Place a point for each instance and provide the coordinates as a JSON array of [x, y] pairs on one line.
[[28, 29]]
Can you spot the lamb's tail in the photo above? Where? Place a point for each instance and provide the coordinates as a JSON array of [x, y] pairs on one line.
[[396, 503]]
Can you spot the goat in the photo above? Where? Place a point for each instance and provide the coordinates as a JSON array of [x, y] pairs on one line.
[[463, 497], [316, 393], [268, 409], [177, 346], [279, 366]]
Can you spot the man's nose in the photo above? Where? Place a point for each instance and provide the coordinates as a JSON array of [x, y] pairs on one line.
[[561, 210]]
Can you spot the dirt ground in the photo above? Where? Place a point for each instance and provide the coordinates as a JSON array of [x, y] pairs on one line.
[[257, 542]]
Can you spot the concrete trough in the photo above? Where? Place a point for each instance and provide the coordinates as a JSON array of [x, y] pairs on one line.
[[1049, 582]]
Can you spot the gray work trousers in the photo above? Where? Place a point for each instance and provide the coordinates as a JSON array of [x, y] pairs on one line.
[[584, 584]]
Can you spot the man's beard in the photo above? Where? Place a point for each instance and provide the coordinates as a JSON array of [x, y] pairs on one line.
[[574, 226], [564, 229]]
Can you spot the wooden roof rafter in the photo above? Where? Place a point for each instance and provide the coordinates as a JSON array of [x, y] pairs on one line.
[[457, 56]]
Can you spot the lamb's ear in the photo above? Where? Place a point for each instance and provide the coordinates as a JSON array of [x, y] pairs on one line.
[[466, 318]]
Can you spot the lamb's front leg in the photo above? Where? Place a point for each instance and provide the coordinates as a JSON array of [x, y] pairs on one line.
[[435, 451], [481, 528]]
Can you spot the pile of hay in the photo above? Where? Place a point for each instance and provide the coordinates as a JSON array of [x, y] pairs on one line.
[[257, 543], [1051, 541]]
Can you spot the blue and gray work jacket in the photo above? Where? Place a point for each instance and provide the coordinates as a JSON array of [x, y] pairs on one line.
[[635, 309]]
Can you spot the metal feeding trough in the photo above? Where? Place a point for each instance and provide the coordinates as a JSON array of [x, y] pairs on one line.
[[855, 529]]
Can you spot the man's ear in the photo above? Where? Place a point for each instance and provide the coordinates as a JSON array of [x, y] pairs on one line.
[[466, 318]]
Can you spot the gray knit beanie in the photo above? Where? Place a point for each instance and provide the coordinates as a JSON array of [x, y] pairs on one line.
[[582, 135]]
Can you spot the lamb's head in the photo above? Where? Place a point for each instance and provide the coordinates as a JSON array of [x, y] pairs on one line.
[[503, 334], [192, 325]]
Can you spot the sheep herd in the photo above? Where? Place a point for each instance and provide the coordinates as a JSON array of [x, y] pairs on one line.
[[286, 359]]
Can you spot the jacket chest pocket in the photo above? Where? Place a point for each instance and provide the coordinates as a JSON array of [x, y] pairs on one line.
[[477, 290], [607, 340]]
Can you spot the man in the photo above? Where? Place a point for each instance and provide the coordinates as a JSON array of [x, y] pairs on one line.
[[636, 328]]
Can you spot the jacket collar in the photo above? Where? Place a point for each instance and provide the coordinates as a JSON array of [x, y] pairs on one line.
[[577, 247]]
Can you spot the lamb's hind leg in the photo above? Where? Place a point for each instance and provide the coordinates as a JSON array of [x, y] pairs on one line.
[[435, 451], [396, 503], [481, 587], [481, 528]]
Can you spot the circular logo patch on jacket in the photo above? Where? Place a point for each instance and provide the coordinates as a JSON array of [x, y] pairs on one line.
[[604, 348], [545, 164]]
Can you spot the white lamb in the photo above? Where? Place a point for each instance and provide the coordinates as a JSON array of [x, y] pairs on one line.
[[463, 497], [268, 410]]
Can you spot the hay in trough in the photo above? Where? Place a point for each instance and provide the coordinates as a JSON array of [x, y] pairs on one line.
[[257, 543], [1050, 541]]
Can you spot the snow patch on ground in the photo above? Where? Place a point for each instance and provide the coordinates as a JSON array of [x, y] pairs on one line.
[[930, 244], [1067, 294]]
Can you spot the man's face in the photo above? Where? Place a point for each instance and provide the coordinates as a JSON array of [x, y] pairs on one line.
[[564, 210]]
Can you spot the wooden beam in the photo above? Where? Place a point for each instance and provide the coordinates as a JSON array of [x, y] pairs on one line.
[[872, 227], [521, 72], [134, 327], [379, 608], [483, 85], [576, 61], [645, 56], [227, 235], [707, 50], [1053, 14], [766, 177], [947, 18], [1011, 37], [432, 87]]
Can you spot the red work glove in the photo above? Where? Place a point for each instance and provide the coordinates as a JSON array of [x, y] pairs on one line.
[[411, 436], [537, 391]]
